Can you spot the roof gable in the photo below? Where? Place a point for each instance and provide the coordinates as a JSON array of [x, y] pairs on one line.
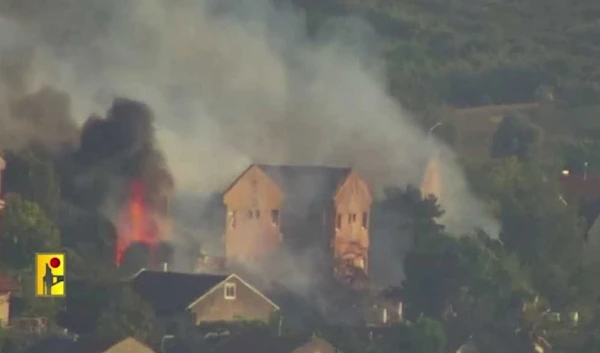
[[317, 343], [222, 283], [313, 184], [241, 188], [353, 180], [90, 344], [172, 292], [129, 345]]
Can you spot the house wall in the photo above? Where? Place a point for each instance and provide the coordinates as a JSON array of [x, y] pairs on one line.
[[2, 166], [4, 308], [247, 305], [252, 229], [352, 204], [316, 345]]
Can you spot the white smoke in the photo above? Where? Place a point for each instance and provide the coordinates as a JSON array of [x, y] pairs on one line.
[[233, 82]]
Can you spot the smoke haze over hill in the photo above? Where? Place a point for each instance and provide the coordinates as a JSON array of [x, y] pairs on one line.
[[230, 83]]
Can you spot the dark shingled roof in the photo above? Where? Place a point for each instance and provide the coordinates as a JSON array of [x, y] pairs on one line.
[[302, 182], [576, 188], [171, 292], [583, 192], [257, 343]]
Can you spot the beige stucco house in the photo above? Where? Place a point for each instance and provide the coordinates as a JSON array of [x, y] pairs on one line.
[[182, 301]]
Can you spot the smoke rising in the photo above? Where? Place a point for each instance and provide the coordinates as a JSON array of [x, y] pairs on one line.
[[230, 82]]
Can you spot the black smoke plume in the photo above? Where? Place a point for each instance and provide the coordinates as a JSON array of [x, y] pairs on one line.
[[115, 151]]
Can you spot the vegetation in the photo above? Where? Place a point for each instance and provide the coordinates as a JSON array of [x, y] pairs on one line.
[[500, 294]]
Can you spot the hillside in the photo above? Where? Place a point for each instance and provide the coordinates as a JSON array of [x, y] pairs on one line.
[[477, 52], [485, 59]]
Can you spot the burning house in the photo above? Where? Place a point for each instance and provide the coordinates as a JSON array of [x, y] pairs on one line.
[[277, 210], [144, 221], [119, 163]]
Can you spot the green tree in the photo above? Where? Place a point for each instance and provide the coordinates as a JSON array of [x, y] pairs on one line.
[[25, 231], [516, 136], [32, 177], [127, 315], [546, 235], [426, 336]]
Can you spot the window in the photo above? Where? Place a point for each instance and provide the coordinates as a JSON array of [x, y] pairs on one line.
[[353, 217], [400, 310], [230, 291], [349, 218], [257, 214], [365, 220], [232, 219], [250, 214], [275, 217], [338, 222], [384, 317]]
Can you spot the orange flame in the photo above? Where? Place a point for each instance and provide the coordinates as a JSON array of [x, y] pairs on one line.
[[135, 223]]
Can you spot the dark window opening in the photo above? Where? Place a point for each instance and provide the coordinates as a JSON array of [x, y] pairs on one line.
[[232, 220], [229, 290], [250, 214], [349, 218], [365, 220], [257, 214], [338, 223], [275, 217], [353, 217]]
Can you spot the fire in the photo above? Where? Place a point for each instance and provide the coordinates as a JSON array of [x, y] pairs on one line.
[[136, 223]]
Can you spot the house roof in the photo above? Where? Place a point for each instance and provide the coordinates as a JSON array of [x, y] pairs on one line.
[[7, 284], [252, 288], [170, 292], [88, 344], [307, 182], [585, 192], [577, 188], [253, 343]]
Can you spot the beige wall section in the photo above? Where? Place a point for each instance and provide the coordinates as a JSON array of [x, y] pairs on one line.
[[129, 345], [251, 233], [247, 304], [353, 217], [4, 308], [2, 167], [316, 345]]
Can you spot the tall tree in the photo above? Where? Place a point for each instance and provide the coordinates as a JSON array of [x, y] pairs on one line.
[[516, 136]]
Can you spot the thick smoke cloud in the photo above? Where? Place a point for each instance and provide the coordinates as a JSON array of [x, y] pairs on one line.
[[230, 82], [122, 145]]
